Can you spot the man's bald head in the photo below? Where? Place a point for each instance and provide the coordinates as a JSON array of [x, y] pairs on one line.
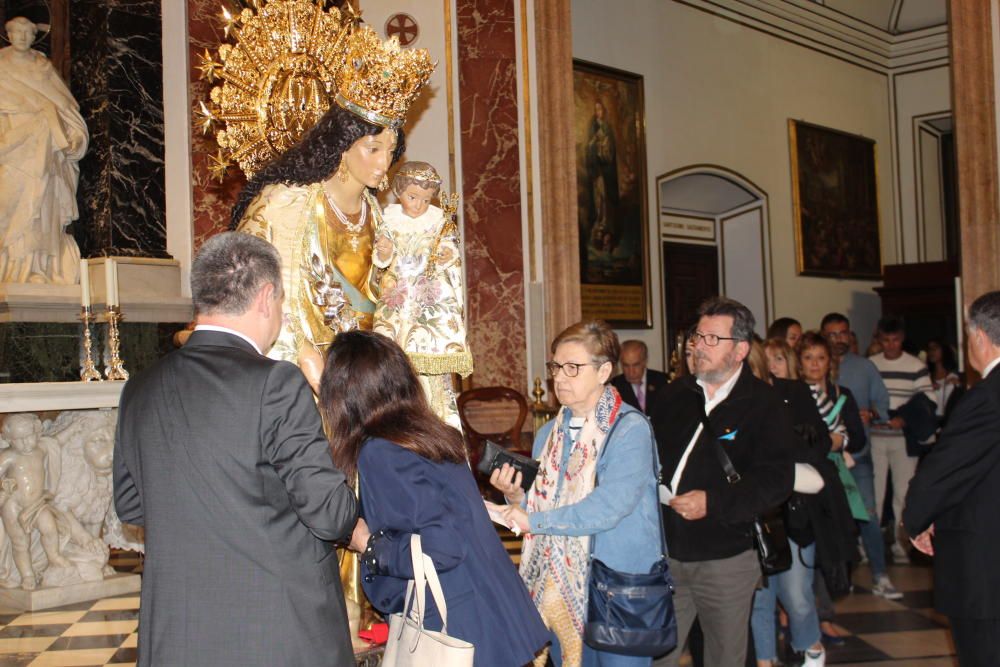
[[634, 356]]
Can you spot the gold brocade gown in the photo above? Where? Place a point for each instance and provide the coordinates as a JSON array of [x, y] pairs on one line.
[[298, 221]]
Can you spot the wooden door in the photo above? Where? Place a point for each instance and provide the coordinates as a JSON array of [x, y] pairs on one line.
[[690, 275]]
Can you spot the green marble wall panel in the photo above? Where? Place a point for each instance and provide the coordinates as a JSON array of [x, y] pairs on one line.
[[51, 352]]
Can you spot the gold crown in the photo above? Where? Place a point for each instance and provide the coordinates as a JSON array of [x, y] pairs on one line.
[[420, 171], [380, 80], [278, 73]]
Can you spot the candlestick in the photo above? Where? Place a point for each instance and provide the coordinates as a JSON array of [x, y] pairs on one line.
[[84, 285], [114, 281], [115, 370], [108, 278], [88, 372]]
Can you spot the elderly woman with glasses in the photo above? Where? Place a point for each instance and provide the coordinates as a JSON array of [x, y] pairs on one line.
[[595, 491]]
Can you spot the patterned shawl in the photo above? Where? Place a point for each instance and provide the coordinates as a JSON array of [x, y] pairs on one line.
[[561, 557]]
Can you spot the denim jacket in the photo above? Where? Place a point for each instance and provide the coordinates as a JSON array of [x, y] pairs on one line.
[[621, 511]]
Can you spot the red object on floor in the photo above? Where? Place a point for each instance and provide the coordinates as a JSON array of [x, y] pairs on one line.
[[377, 634]]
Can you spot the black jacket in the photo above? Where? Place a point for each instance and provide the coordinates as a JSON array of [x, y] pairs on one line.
[[830, 523], [758, 439], [655, 381], [957, 488], [220, 454]]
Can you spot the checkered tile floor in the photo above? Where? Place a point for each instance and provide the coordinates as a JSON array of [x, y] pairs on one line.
[[903, 633], [98, 632]]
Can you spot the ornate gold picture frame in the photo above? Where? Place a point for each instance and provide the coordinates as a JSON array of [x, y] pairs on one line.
[[609, 125], [835, 203]]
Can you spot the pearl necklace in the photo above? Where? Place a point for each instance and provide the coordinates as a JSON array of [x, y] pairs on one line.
[[353, 228]]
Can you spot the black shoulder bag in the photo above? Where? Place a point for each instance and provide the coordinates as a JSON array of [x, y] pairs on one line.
[[769, 536], [631, 614]]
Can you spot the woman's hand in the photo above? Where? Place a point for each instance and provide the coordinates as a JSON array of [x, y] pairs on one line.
[[838, 442], [311, 364], [359, 540], [508, 481], [515, 516]]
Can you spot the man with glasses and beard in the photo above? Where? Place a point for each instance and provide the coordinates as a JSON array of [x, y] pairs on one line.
[[707, 517]]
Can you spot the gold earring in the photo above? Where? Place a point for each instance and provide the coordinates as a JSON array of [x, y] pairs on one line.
[[383, 185], [342, 172]]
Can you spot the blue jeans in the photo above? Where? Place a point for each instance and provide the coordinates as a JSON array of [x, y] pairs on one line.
[[871, 533], [592, 658], [794, 588]]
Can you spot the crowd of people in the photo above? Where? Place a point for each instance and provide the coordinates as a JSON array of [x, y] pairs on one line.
[[221, 452]]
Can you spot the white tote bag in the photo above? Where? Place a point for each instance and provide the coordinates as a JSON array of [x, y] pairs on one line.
[[409, 644]]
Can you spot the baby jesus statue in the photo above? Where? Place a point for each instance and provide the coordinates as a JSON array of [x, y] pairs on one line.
[[422, 302]]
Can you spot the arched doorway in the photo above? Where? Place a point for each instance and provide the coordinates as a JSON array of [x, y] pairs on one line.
[[715, 240]]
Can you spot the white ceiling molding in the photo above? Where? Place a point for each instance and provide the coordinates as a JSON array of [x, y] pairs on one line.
[[841, 34]]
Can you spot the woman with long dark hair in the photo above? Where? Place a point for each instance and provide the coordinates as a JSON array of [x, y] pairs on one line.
[[414, 479], [316, 204], [943, 368]]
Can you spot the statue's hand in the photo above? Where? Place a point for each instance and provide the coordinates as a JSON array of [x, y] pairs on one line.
[[384, 248], [311, 363]]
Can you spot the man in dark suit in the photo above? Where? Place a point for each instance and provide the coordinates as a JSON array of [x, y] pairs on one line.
[[220, 454], [637, 384], [722, 408], [951, 505]]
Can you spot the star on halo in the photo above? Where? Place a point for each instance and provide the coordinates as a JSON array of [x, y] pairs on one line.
[[219, 165], [209, 67], [206, 118]]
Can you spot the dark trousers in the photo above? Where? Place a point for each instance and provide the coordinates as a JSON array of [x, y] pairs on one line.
[[976, 641]]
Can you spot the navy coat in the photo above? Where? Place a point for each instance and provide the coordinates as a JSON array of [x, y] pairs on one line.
[[488, 604]]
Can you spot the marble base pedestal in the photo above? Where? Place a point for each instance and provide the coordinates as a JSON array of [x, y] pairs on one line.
[[47, 598], [150, 290]]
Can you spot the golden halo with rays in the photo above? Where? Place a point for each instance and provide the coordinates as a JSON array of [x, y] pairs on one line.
[[279, 70]]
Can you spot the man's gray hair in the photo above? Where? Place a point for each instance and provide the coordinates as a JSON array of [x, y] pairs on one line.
[[229, 271], [743, 322], [984, 315]]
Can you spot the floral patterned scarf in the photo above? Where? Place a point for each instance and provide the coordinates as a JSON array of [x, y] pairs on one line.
[[564, 558]]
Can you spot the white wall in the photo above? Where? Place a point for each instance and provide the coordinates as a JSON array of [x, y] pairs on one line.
[[919, 93], [742, 262], [720, 93], [427, 130]]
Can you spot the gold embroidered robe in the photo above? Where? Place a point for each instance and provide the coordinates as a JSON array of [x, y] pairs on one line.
[[298, 221]]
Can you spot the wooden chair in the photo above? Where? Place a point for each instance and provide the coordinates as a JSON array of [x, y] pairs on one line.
[[510, 438]]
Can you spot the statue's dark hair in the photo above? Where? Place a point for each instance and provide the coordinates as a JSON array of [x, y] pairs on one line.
[[315, 157]]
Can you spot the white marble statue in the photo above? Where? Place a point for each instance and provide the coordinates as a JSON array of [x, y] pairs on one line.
[[85, 485], [43, 539], [42, 138]]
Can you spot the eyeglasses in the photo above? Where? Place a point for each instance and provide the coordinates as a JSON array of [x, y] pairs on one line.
[[711, 340], [838, 334], [569, 369]]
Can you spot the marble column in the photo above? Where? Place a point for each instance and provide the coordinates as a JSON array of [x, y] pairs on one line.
[[974, 85], [117, 78], [491, 186], [557, 151]]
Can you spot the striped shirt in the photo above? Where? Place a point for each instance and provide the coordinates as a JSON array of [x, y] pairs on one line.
[[826, 405], [904, 378]]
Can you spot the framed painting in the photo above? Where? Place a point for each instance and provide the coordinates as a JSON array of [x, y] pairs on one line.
[[835, 203], [609, 126]]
